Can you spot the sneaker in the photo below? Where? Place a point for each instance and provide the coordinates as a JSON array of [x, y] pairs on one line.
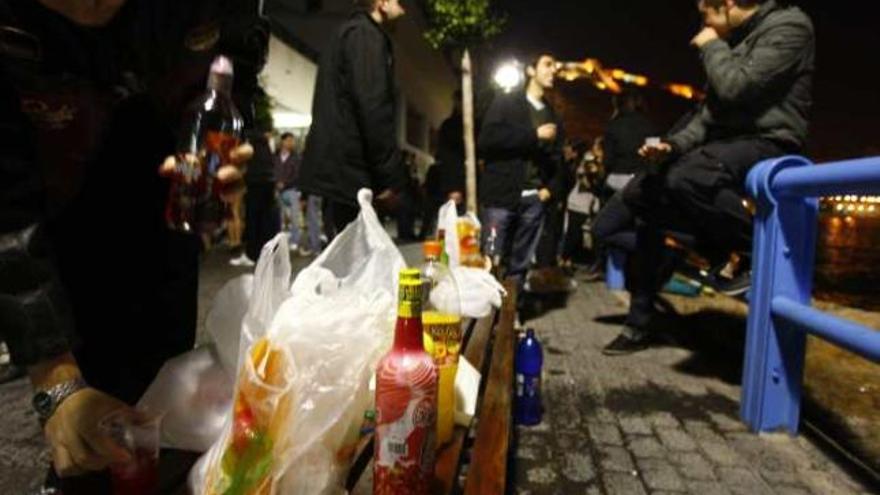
[[303, 251], [623, 345], [294, 248], [242, 260], [734, 287]]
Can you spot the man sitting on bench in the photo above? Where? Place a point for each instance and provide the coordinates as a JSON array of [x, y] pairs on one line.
[[759, 60]]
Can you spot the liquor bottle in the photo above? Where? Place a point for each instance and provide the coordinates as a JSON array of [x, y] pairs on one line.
[[211, 129], [441, 320], [406, 402], [468, 230], [527, 364]]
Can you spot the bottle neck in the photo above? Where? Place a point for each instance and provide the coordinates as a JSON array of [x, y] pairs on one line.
[[408, 334], [221, 83]]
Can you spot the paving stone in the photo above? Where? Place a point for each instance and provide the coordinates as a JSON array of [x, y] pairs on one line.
[[541, 475], [605, 434], [702, 431], [692, 465], [578, 467], [616, 459], [728, 423], [676, 439], [721, 454], [790, 490], [663, 419], [743, 481], [646, 447], [706, 488], [659, 474], [622, 484], [634, 426]]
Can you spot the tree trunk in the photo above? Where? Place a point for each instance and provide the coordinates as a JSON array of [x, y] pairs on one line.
[[470, 150]]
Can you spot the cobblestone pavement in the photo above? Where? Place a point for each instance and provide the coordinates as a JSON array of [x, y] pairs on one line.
[[647, 423], [652, 422]]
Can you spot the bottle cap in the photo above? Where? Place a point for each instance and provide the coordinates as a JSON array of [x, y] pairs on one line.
[[432, 249], [410, 274], [222, 65]]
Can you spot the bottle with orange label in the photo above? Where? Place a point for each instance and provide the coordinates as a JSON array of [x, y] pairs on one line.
[[441, 319], [468, 230], [406, 402]]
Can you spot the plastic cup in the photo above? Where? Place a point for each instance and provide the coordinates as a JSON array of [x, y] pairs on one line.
[[139, 476]]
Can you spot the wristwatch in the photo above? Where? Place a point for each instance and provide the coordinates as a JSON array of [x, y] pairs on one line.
[[45, 402]]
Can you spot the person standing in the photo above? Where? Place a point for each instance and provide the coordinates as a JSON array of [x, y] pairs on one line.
[[262, 218], [91, 95], [353, 140], [521, 142], [624, 136], [287, 164]]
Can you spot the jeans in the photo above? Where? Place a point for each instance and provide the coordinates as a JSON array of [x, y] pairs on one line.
[[313, 222], [290, 200], [517, 233]]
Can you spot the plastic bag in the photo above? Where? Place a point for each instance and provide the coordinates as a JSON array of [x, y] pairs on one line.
[[303, 386], [480, 292], [223, 321]]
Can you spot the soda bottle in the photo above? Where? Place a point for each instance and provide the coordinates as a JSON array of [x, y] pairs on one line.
[[406, 402], [211, 129], [527, 364], [441, 319]]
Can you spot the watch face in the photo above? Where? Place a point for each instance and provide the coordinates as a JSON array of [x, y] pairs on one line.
[[43, 404]]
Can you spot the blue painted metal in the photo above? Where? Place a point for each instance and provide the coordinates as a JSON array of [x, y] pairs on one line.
[[853, 337], [614, 269], [783, 255]]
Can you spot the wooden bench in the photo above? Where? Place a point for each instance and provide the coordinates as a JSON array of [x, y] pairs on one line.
[[473, 464]]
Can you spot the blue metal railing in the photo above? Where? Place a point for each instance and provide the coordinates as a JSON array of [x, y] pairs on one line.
[[783, 254]]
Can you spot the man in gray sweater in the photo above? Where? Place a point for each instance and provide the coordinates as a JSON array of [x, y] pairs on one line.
[[759, 58]]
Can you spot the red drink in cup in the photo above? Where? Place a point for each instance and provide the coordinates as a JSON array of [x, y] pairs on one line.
[[139, 476]]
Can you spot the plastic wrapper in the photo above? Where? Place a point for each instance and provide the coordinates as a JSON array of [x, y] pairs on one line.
[[302, 389]]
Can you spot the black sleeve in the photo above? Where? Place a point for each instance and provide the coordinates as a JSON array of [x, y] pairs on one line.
[[503, 136], [367, 57], [35, 317], [609, 146], [555, 160]]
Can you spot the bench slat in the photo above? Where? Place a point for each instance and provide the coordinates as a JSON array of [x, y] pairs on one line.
[[487, 472]]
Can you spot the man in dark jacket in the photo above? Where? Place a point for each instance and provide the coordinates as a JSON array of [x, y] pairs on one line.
[[521, 141], [95, 292], [353, 140], [624, 136], [759, 59]]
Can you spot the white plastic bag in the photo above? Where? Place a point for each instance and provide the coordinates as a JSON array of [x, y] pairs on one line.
[[327, 335], [480, 292], [224, 320]]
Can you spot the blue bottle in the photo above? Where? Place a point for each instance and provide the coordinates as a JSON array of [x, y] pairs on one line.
[[527, 365]]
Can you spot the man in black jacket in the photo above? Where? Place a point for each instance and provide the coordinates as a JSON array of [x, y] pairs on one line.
[[353, 140], [95, 291], [521, 141], [759, 58]]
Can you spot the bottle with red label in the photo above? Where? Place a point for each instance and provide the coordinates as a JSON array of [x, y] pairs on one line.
[[406, 402], [211, 129]]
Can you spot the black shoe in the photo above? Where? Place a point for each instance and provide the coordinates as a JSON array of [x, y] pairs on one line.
[[623, 345]]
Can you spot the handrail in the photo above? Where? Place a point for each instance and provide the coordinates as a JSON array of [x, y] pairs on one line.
[[783, 254]]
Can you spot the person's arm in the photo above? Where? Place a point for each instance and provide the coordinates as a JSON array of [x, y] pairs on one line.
[[555, 161], [692, 134], [366, 56], [503, 136], [775, 54], [609, 146]]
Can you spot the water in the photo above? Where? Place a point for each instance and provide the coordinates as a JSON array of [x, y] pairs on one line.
[[848, 261]]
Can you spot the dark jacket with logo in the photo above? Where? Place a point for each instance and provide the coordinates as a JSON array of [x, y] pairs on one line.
[[86, 116], [353, 139], [759, 82], [508, 142]]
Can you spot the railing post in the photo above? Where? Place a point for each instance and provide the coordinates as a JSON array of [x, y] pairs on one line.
[[783, 255], [615, 268]]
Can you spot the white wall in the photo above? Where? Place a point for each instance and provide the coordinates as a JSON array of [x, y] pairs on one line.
[[289, 78]]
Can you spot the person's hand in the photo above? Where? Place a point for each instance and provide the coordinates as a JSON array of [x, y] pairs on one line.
[[456, 196], [387, 201], [655, 153], [705, 36], [544, 195], [75, 437], [229, 174], [547, 132]]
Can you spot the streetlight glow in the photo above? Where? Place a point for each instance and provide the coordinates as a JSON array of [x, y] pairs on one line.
[[509, 76]]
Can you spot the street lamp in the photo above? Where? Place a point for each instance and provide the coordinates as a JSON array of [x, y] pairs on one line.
[[509, 76]]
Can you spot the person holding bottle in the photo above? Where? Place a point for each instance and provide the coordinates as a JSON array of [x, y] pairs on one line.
[[96, 292]]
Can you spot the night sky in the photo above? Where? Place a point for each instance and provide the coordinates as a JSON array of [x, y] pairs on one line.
[[651, 37]]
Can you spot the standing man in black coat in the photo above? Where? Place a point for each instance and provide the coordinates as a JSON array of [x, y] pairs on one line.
[[353, 140], [521, 141]]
